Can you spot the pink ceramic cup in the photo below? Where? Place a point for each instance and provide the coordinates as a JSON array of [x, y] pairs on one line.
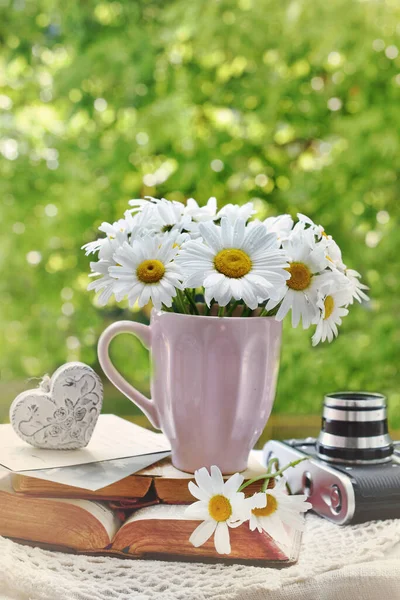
[[213, 383]]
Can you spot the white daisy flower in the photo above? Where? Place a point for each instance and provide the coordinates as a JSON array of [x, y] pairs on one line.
[[104, 284], [146, 271], [299, 293], [201, 213], [160, 215], [281, 225], [176, 237], [119, 230], [332, 300], [234, 261], [333, 254], [304, 222], [307, 230], [234, 212], [220, 505], [316, 235], [280, 510], [356, 286]]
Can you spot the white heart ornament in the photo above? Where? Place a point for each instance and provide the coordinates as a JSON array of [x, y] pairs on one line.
[[62, 413]]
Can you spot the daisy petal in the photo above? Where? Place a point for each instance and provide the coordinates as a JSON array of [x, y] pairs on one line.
[[202, 533], [217, 480], [204, 481], [198, 492], [275, 528], [197, 510], [211, 235], [233, 484], [221, 539]]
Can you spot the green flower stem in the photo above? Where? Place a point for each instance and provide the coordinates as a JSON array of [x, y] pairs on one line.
[[191, 301], [232, 308], [180, 300], [271, 475], [270, 466], [221, 311], [273, 311]]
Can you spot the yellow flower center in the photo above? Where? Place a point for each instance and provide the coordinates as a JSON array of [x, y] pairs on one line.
[[300, 276], [150, 271], [324, 234], [329, 306], [220, 508], [268, 510], [232, 262]]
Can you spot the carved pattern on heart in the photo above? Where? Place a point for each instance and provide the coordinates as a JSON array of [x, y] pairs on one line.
[[62, 412]]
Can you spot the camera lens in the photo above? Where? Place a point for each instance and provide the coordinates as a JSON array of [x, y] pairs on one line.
[[354, 429]]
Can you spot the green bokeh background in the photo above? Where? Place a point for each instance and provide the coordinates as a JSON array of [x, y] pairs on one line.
[[291, 104]]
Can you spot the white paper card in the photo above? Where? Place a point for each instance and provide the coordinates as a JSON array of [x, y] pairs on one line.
[[95, 476], [112, 438]]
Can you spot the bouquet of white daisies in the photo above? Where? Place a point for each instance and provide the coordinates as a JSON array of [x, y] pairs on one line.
[[195, 260]]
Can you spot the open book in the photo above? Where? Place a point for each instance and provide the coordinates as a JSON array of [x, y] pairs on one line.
[[160, 531], [169, 484]]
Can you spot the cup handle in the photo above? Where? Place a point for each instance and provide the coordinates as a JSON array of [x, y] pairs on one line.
[[143, 332]]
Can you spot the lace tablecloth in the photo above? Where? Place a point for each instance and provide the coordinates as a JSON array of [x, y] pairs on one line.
[[353, 562]]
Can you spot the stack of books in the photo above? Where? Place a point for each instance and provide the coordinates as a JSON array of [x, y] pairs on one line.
[[139, 516]]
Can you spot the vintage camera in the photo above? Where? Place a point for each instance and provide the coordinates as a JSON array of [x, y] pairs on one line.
[[353, 473]]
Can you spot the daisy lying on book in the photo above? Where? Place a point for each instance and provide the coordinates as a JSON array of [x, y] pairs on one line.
[[222, 504]]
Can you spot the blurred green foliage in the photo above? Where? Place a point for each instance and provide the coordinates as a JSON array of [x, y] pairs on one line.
[[292, 104]]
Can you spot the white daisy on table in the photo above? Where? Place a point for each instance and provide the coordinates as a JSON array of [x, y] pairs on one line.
[[300, 291], [234, 212], [146, 271], [332, 300], [281, 509], [220, 505], [234, 261], [356, 286], [160, 215]]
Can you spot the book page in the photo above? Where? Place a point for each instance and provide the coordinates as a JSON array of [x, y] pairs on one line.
[[112, 438], [175, 512], [95, 476], [99, 510]]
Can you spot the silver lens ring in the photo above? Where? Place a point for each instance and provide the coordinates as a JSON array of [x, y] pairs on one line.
[[335, 414], [355, 400], [354, 429], [359, 443]]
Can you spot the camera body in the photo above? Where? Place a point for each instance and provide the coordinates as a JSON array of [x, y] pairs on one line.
[[342, 493]]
